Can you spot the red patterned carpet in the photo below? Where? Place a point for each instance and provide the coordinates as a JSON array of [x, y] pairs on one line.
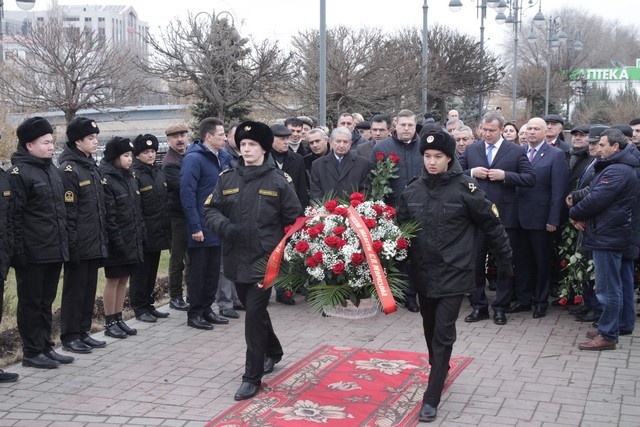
[[342, 387]]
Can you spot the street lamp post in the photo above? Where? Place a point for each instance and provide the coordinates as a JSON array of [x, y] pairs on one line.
[[322, 89], [425, 55], [22, 4]]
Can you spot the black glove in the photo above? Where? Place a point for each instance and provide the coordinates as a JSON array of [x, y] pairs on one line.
[[19, 261], [505, 269], [231, 231]]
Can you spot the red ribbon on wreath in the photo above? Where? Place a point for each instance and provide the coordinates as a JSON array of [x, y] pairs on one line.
[[377, 272]]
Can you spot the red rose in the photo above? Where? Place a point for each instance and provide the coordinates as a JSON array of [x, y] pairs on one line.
[[370, 223], [564, 263], [390, 212], [577, 299], [338, 268], [341, 243], [340, 211], [379, 157], [563, 301], [357, 259], [320, 227], [394, 158], [379, 210], [339, 230], [402, 243], [313, 232], [318, 257], [331, 205], [302, 247], [332, 241], [357, 196], [355, 202], [311, 262], [378, 246]]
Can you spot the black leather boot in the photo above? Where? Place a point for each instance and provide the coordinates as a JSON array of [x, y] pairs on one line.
[[127, 330], [111, 329]]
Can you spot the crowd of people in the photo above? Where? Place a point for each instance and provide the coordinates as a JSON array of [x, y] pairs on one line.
[[491, 190]]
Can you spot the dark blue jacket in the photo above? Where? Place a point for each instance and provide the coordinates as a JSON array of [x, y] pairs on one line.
[[410, 165], [607, 208], [198, 177]]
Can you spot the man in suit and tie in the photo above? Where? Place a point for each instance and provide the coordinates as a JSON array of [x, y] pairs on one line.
[[539, 212], [342, 171], [499, 166], [554, 127]]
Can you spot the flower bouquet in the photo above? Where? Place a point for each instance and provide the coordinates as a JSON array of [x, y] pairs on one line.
[[343, 253], [575, 267]]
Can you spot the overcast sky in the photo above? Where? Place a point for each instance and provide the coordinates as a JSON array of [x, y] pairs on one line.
[[280, 19]]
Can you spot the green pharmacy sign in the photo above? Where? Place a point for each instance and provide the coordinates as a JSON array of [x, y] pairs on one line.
[[607, 74]]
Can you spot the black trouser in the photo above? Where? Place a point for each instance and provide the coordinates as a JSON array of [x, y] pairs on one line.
[[439, 317], [37, 285], [78, 298], [142, 282], [179, 258], [533, 267], [504, 288], [203, 283], [258, 331]]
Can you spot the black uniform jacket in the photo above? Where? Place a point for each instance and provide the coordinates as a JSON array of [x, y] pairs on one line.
[[450, 208], [171, 167], [125, 227], [84, 200], [6, 225], [249, 209], [39, 217], [155, 212]]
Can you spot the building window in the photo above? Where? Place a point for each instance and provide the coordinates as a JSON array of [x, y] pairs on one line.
[[87, 19]]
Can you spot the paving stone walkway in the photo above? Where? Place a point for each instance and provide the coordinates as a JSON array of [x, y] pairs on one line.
[[527, 373]]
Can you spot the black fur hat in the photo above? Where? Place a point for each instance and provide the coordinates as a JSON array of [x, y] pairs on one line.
[[438, 140], [116, 147], [256, 131], [144, 142], [79, 128], [32, 129]]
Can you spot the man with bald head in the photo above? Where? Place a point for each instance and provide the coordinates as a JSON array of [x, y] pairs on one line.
[[453, 115], [539, 212]]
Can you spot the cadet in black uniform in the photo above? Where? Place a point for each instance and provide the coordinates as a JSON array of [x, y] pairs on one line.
[[253, 203], [450, 208], [40, 240], [125, 230], [6, 249], [84, 202], [154, 203]]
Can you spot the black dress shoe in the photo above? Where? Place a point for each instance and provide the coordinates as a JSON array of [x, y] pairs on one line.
[[246, 391], [8, 377], [269, 364], [477, 315], [113, 330], [159, 314], [286, 300], [624, 332], [147, 317], [178, 304], [199, 323], [94, 343], [240, 307], [517, 308], [580, 311], [590, 316], [428, 413], [230, 313], [40, 361], [76, 346], [412, 306], [539, 312], [215, 319], [499, 318], [65, 360]]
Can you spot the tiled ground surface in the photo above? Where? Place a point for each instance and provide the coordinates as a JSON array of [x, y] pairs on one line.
[[527, 373]]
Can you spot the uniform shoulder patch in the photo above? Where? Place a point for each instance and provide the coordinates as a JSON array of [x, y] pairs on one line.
[[494, 209], [208, 201], [103, 181], [69, 197], [472, 186], [68, 168], [15, 170]]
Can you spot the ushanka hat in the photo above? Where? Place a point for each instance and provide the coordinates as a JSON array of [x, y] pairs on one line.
[[438, 140], [32, 129], [144, 142], [79, 128], [116, 147], [255, 131]]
